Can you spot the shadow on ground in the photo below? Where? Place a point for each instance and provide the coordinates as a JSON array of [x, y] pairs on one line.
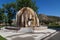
[[57, 29]]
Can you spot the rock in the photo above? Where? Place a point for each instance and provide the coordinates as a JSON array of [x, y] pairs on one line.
[[26, 17]]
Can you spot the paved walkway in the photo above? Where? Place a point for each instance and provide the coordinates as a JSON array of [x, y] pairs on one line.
[[55, 37], [37, 35]]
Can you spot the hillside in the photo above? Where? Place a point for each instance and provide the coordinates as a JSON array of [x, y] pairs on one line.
[[54, 18], [45, 19]]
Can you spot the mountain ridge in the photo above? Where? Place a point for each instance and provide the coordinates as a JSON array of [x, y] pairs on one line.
[[48, 17]]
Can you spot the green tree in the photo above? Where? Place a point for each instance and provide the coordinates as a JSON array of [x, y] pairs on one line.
[[7, 8], [26, 3], [13, 7], [1, 15]]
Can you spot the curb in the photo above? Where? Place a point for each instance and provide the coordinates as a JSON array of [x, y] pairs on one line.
[[49, 36]]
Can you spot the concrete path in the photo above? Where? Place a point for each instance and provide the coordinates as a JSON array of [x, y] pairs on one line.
[[37, 35], [55, 36]]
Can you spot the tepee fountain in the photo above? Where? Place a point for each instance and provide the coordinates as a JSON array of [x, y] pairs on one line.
[[26, 19]]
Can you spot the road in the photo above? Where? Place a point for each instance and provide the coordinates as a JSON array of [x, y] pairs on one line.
[[56, 36]]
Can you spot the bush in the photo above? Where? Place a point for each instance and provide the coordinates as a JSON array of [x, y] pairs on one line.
[[1, 26], [53, 23], [54, 26]]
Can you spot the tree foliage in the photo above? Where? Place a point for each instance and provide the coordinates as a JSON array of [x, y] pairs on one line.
[[8, 10], [26, 3], [11, 8], [1, 15]]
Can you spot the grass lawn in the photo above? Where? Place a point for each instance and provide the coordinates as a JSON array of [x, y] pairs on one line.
[[1, 38]]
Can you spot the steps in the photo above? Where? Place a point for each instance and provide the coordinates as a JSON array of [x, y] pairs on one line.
[[41, 28]]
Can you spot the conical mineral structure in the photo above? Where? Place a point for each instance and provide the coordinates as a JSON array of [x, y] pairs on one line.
[[26, 17]]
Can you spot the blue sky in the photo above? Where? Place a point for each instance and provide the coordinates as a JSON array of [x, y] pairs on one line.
[[48, 7]]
